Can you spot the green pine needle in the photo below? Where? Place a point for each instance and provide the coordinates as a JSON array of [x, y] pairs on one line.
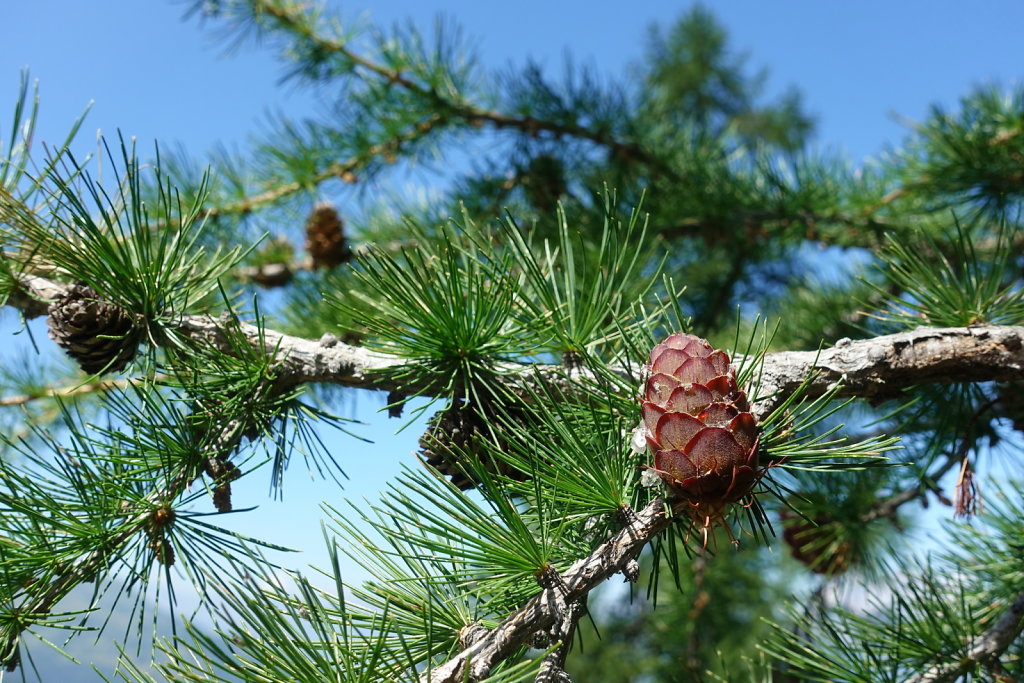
[[146, 257], [951, 283]]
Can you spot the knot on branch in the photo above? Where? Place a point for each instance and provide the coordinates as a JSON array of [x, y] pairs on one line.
[[471, 634]]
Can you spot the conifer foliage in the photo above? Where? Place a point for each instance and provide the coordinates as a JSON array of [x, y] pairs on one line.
[[605, 329]]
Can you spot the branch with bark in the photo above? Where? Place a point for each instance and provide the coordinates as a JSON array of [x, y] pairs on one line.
[[876, 369], [548, 607], [65, 392], [880, 368], [448, 108], [980, 650], [294, 19], [342, 169]]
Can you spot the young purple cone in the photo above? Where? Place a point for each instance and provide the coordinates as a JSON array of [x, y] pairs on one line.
[[699, 425]]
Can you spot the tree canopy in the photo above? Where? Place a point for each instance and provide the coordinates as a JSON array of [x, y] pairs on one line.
[[657, 336]]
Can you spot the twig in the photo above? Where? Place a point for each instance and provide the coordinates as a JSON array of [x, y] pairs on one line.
[[475, 662], [980, 649], [343, 170], [290, 17], [66, 392], [213, 462], [280, 273], [552, 670], [888, 507], [137, 521]]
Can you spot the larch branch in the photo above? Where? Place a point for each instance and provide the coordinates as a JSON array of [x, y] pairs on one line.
[[65, 392], [981, 649], [291, 17], [343, 170], [879, 368], [474, 662], [875, 369]]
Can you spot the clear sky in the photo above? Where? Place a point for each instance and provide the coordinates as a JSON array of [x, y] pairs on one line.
[[865, 68], [858, 63]]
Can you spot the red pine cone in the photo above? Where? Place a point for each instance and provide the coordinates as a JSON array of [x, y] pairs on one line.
[[699, 426]]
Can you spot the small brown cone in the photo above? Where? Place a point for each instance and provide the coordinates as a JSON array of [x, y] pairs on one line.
[[100, 336], [222, 472], [451, 434], [817, 544], [163, 551], [325, 240], [160, 521]]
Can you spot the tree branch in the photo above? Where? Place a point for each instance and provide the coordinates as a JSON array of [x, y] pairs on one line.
[[343, 169], [875, 369], [280, 273], [929, 480], [880, 368], [474, 662], [40, 598], [71, 391], [552, 670], [291, 17], [981, 649]]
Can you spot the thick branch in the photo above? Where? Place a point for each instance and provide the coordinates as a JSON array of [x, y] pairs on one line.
[[875, 369], [879, 368], [982, 648]]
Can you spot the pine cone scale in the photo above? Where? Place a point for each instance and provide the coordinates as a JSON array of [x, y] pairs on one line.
[[689, 399], [675, 430]]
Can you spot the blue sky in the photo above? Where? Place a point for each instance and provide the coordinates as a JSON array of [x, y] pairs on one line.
[[866, 69], [858, 64]]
